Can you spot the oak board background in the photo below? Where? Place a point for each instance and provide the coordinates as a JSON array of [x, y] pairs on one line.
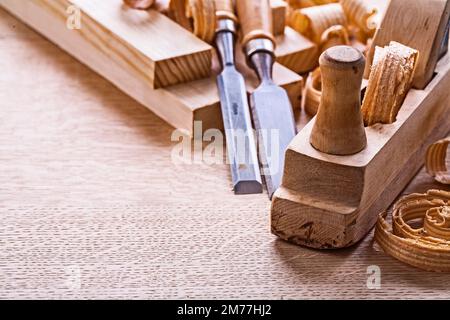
[[92, 207]]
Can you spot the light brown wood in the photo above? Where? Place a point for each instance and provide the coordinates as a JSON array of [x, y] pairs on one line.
[[175, 10], [298, 4], [189, 102], [279, 11], [436, 162], [225, 10], [339, 127], [148, 52], [390, 79], [361, 13], [196, 16], [296, 52], [203, 16], [312, 92], [255, 17], [330, 201], [336, 35], [313, 21], [225, 5], [92, 206], [422, 27], [425, 246]]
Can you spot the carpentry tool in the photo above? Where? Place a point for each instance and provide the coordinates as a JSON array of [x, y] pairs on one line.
[[241, 144], [332, 201], [272, 111]]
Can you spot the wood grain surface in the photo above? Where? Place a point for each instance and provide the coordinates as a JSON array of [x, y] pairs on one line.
[[92, 206], [192, 101]]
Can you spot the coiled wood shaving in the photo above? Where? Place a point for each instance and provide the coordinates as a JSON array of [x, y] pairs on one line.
[[435, 161], [176, 10], [389, 81], [426, 247], [203, 15], [313, 21], [361, 14], [334, 36], [313, 92]]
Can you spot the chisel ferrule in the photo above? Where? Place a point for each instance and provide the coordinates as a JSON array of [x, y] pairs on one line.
[[226, 25], [259, 45]]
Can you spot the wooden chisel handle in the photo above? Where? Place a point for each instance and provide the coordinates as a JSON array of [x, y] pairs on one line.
[[255, 17], [225, 10]]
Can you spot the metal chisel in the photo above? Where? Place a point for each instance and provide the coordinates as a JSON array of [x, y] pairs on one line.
[[241, 144], [272, 111]]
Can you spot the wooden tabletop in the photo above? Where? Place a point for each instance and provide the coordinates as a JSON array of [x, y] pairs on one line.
[[92, 205]]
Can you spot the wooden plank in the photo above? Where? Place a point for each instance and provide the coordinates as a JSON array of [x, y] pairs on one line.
[[296, 52], [141, 41], [179, 105], [331, 201], [279, 9]]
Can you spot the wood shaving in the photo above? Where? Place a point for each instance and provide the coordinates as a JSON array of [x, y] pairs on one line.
[[203, 15], [435, 161], [390, 80], [313, 21], [313, 92], [176, 10], [426, 247], [334, 36], [361, 14]]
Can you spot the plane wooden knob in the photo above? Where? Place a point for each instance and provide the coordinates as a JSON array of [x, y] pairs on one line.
[[339, 127]]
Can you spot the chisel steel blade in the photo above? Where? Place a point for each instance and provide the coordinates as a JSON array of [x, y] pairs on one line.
[[241, 146], [271, 108], [274, 122]]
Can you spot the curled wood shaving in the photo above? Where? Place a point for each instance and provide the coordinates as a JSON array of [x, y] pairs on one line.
[[313, 92], [176, 10], [435, 161], [334, 36], [426, 247], [139, 4], [389, 81], [361, 14], [313, 21], [203, 15]]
